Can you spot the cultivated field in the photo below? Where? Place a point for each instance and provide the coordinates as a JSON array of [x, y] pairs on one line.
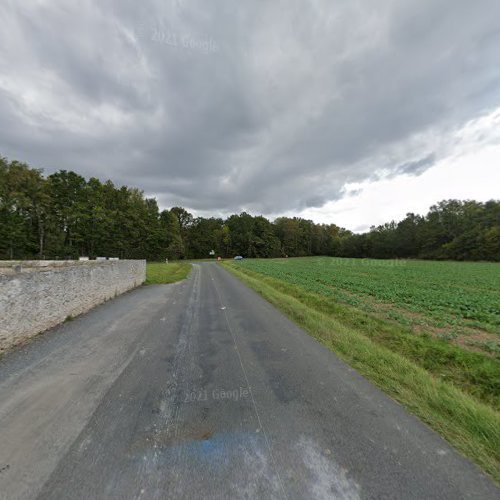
[[454, 301], [425, 332]]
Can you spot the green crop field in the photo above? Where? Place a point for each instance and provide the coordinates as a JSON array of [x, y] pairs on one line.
[[426, 332], [452, 300]]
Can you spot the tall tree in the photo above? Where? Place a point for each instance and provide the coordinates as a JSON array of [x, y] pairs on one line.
[[64, 215]]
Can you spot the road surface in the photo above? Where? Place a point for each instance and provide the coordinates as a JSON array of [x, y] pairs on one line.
[[202, 389]]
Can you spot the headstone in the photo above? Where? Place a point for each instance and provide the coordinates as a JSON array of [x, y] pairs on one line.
[[83, 258], [101, 258]]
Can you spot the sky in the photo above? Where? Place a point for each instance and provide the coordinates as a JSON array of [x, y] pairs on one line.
[[343, 111]]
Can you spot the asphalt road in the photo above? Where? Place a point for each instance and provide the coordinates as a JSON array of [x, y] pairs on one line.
[[202, 389]]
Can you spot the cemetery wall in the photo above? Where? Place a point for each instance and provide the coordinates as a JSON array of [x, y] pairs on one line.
[[38, 295]]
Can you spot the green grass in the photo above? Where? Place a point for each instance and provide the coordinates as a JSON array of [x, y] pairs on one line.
[[453, 390], [159, 273]]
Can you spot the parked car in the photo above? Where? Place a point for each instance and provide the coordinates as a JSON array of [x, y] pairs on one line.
[[238, 257]]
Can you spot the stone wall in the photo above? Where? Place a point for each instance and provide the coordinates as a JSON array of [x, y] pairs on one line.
[[38, 295]]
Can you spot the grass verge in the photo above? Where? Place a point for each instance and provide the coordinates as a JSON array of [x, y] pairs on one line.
[[470, 425], [159, 273]]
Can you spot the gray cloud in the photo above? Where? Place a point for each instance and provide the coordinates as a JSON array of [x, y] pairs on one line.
[[268, 106], [416, 167]]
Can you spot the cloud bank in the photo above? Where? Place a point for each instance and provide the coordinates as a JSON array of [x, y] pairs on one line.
[[267, 106]]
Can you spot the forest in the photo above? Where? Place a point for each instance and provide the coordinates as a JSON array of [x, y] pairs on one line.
[[65, 216]]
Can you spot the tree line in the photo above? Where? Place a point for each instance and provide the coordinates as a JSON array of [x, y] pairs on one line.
[[65, 216]]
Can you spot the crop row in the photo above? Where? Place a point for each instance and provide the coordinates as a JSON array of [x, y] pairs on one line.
[[448, 293]]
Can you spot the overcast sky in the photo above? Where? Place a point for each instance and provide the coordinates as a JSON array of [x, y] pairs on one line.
[[344, 111]]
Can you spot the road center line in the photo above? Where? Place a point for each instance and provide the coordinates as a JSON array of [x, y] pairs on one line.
[[249, 387]]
